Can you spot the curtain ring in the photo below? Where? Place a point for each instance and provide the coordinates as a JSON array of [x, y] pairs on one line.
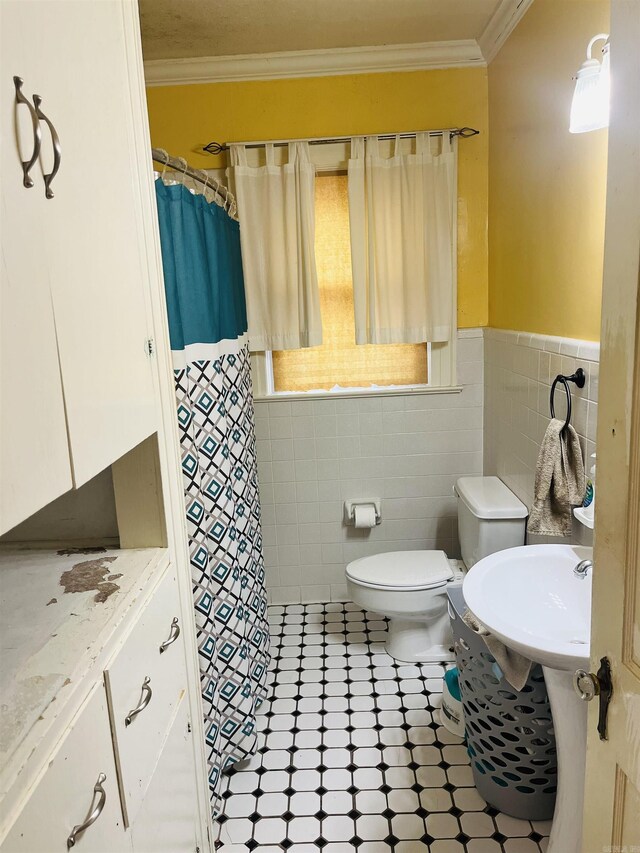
[[206, 184], [165, 154], [182, 161]]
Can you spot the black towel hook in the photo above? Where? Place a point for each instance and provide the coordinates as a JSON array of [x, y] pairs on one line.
[[579, 378]]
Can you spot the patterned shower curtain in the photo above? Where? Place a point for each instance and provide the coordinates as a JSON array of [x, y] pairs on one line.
[[207, 327]]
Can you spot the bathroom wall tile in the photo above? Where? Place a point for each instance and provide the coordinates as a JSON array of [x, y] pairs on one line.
[[316, 593], [279, 409], [305, 470], [406, 450], [283, 472], [339, 592], [326, 448], [302, 427], [518, 373], [306, 491], [325, 425], [309, 533], [265, 471], [287, 534]]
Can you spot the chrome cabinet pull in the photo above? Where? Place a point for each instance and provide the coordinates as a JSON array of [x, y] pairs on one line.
[[57, 148], [95, 810], [145, 698], [27, 180], [174, 633]]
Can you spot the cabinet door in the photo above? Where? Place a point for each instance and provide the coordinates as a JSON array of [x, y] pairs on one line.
[[138, 737], [168, 818], [94, 225], [34, 453], [65, 795]]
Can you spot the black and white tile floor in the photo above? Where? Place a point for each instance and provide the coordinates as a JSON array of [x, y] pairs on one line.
[[352, 755]]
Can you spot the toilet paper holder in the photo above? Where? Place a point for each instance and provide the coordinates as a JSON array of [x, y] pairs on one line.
[[350, 510]]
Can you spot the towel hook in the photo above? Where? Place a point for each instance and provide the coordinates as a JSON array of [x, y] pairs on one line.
[[579, 378]]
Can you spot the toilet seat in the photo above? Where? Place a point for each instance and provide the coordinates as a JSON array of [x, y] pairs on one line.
[[402, 570]]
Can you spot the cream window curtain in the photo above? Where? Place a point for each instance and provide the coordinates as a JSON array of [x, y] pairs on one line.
[[402, 213], [277, 225]]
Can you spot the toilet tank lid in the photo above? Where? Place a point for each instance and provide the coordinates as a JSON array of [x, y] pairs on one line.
[[488, 497]]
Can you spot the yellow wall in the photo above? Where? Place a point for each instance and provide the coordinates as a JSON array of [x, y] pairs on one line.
[[546, 186], [184, 118]]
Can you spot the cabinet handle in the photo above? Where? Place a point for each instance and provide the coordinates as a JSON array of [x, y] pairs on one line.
[[27, 180], [145, 698], [95, 810], [174, 633], [57, 148]]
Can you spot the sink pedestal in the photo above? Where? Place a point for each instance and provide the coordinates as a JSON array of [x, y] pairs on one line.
[[570, 726]]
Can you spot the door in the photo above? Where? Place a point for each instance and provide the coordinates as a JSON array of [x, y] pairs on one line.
[[34, 453], [94, 228], [612, 797], [80, 779]]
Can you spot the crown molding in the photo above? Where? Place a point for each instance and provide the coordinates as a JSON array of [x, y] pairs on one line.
[[314, 63], [502, 23]]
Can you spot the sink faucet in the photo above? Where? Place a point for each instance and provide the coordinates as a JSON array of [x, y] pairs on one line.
[[583, 568]]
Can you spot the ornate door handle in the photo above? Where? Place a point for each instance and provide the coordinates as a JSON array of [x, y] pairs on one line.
[[27, 180], [145, 698], [174, 633], [95, 810], [57, 148]]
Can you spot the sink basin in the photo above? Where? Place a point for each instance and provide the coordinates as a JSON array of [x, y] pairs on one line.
[[530, 598]]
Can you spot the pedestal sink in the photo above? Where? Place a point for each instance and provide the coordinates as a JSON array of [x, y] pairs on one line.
[[530, 598]]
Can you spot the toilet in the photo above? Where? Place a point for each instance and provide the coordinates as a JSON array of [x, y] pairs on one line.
[[410, 587]]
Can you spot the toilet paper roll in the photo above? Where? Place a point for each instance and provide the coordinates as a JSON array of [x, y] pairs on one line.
[[365, 515]]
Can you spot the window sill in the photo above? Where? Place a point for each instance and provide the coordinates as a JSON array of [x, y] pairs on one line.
[[348, 393]]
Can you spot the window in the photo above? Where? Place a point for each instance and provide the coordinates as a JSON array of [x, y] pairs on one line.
[[339, 365], [339, 362]]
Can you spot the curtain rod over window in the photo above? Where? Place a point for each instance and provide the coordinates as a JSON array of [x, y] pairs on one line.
[[462, 132]]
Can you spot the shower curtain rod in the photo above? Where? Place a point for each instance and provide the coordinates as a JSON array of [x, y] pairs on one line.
[[179, 164], [462, 132]]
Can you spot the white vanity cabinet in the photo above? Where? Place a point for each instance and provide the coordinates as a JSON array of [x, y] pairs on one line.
[[77, 387], [79, 783], [124, 757]]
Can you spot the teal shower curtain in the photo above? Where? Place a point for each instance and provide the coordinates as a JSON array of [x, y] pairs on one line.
[[207, 328]]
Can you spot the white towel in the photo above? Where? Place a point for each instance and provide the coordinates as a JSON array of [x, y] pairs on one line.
[[514, 666], [559, 481]]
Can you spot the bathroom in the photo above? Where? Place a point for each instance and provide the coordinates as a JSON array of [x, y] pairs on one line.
[[349, 505]]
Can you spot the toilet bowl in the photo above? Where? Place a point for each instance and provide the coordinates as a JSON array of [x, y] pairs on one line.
[[410, 587]]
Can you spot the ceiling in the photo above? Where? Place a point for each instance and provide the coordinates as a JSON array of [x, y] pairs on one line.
[[176, 29]]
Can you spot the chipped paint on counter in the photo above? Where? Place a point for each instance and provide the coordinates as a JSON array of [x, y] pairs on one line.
[[58, 616]]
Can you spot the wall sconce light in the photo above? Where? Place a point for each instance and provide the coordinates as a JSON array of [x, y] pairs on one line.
[[590, 105]]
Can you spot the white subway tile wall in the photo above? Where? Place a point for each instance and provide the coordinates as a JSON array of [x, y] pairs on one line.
[[519, 370], [406, 450]]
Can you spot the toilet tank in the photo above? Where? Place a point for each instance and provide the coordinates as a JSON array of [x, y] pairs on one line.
[[490, 517]]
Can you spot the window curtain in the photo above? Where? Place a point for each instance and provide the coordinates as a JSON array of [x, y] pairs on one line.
[[276, 209], [207, 327], [402, 213]]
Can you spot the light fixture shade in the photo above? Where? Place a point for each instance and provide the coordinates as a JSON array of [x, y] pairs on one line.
[[590, 105]]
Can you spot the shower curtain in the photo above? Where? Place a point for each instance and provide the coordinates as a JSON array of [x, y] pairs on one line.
[[207, 328]]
